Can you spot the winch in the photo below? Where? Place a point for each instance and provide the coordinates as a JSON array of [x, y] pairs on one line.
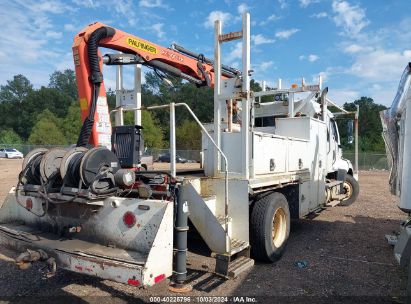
[[76, 172]]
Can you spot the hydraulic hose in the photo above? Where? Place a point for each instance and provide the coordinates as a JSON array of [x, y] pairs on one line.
[[92, 51], [72, 176], [96, 78]]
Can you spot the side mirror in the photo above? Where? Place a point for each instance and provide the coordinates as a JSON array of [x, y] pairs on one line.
[[350, 128]]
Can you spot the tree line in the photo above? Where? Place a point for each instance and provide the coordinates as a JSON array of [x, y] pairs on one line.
[[50, 115]]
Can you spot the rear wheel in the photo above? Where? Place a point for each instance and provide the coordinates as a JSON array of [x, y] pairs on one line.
[[351, 189], [269, 227], [7, 156]]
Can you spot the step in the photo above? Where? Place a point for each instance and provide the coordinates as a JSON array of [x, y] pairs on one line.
[[221, 220], [239, 265], [237, 246], [333, 203], [232, 266], [333, 184], [204, 219], [211, 201]]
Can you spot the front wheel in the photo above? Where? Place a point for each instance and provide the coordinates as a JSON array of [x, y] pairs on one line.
[[269, 227], [351, 189]]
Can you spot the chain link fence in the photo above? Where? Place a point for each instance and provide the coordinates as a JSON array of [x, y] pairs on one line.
[[369, 160], [24, 148], [366, 160], [193, 155]]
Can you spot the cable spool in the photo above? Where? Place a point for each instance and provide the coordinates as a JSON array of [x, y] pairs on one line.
[[94, 162], [70, 166], [50, 164], [94, 168], [31, 166]]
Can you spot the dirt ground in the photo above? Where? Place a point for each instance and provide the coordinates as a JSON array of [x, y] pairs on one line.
[[344, 247]]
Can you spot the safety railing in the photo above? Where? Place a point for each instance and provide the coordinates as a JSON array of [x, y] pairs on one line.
[[172, 148], [172, 106]]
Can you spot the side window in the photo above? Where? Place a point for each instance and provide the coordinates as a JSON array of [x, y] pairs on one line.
[[269, 121]]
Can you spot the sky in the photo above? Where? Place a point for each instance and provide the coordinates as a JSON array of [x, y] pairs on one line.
[[360, 47]]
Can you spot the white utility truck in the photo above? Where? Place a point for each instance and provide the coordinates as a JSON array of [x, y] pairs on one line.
[[263, 164]]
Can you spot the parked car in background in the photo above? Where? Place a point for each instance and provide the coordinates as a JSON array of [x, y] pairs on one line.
[[10, 153], [147, 161], [165, 158]]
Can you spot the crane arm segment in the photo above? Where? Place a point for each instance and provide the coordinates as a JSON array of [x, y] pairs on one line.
[[88, 67]]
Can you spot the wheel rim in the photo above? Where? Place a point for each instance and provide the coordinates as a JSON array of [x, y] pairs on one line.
[[279, 227], [348, 190]]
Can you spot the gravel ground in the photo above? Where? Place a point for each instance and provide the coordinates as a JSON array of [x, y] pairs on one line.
[[347, 255]]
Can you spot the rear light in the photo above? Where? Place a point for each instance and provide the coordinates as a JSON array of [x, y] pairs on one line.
[[159, 278], [29, 204], [133, 282], [129, 219]]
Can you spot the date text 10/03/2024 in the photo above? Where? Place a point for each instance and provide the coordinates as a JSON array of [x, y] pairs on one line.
[[210, 299]]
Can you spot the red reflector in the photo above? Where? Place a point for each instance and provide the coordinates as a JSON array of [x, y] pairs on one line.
[[133, 282], [129, 219], [159, 278], [78, 267], [29, 204]]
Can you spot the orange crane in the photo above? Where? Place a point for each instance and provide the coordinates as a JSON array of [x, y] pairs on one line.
[[88, 62]]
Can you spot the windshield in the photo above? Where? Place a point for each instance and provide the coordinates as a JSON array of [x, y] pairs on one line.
[[11, 150]]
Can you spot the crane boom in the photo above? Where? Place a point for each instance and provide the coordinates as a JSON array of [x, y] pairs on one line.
[[88, 67]]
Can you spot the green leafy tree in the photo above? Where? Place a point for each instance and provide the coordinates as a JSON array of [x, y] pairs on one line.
[[152, 131], [46, 130], [15, 90], [35, 103], [8, 136], [12, 96], [71, 124], [64, 82], [111, 99], [200, 100], [370, 128], [255, 87], [188, 136]]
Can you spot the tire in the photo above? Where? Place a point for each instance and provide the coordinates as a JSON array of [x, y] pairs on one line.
[[351, 185], [269, 227], [7, 156]]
